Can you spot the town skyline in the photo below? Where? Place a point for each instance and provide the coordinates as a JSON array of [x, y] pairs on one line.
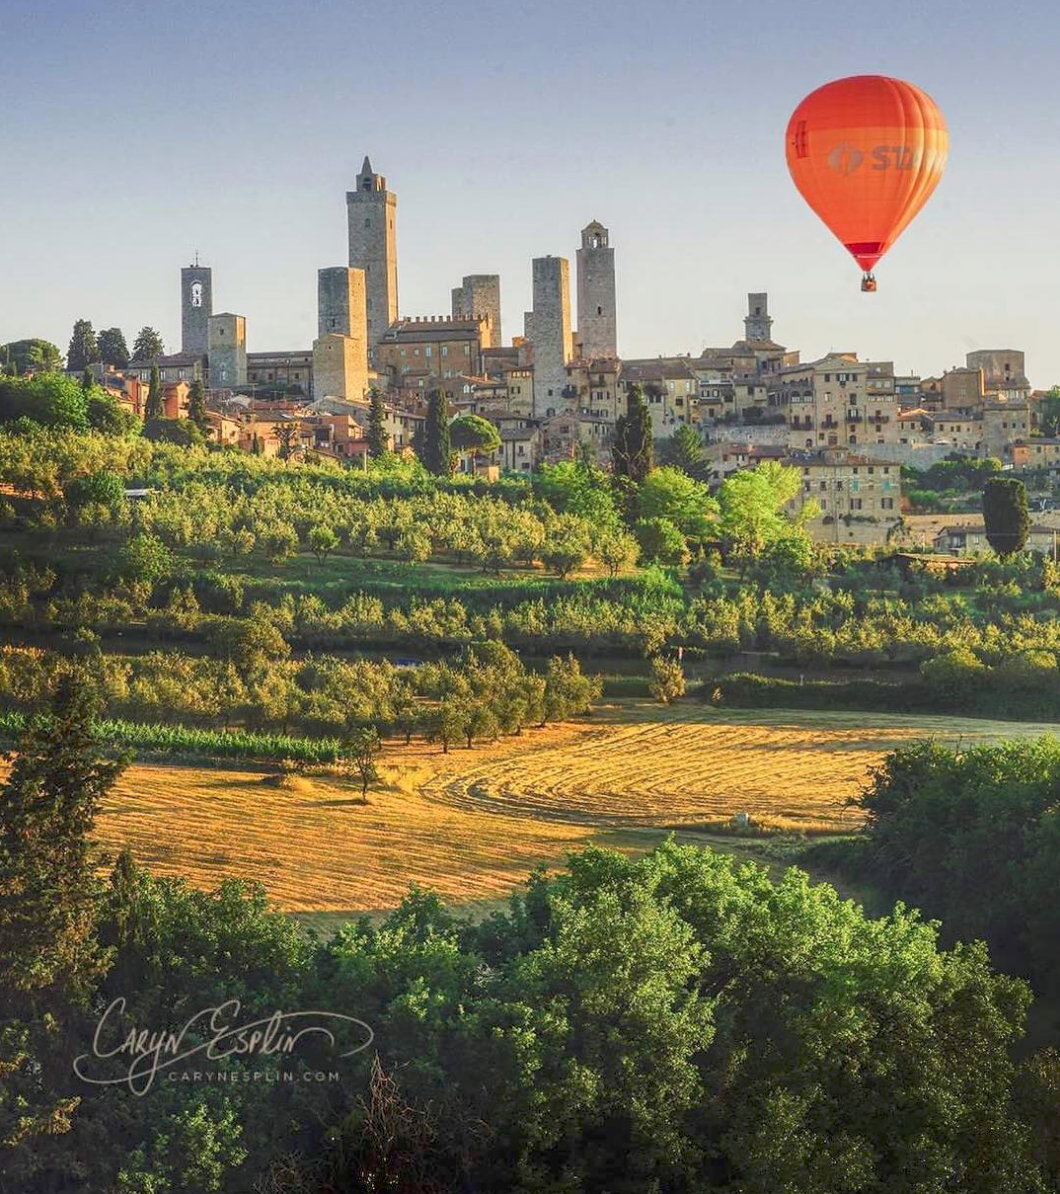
[[675, 144]]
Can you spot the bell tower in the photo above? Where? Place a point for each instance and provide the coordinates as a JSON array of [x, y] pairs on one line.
[[597, 323], [196, 307], [758, 323], [372, 215]]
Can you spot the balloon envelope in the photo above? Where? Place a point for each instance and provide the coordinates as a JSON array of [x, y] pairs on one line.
[[866, 153]]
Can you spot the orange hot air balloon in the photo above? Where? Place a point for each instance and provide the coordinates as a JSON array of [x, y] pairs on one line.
[[866, 153]]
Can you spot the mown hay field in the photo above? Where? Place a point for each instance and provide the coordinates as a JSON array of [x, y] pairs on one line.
[[472, 824]]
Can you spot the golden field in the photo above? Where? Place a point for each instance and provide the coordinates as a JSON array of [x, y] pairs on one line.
[[472, 824]]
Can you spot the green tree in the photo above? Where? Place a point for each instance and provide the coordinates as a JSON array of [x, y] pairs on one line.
[[48, 804], [148, 345], [83, 348], [360, 748], [146, 558], [376, 433], [51, 399], [1005, 515], [578, 487], [661, 542], [112, 348], [197, 405], [437, 448], [615, 550], [567, 545], [1049, 412], [667, 680], [30, 356], [752, 505], [633, 451], [322, 541], [474, 434], [154, 405], [672, 494], [684, 450]]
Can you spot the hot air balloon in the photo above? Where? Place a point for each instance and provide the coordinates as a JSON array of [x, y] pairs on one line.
[[866, 153]]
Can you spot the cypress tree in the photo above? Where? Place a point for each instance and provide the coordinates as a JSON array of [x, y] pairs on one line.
[[1005, 515], [437, 448], [153, 410], [634, 451], [48, 888], [197, 405], [83, 349], [376, 425]]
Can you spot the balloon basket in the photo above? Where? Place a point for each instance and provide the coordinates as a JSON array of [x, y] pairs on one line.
[[868, 284]]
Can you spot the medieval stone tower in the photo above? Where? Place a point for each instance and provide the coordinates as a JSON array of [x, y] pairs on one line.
[[597, 328], [548, 330], [340, 351], [758, 323], [228, 351], [480, 294], [196, 307], [372, 213]]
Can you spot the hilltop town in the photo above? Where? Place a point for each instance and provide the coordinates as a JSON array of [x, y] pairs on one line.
[[556, 391]]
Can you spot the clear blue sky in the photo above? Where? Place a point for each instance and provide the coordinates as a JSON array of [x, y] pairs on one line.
[[140, 132]]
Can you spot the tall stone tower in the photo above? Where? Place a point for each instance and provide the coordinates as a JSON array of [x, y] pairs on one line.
[[196, 307], [758, 323], [372, 213], [480, 294], [340, 351], [597, 327], [228, 351], [341, 302], [548, 330]]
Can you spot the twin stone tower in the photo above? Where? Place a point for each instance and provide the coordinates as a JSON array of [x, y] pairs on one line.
[[357, 305]]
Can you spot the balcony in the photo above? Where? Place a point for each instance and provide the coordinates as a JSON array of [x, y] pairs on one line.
[[853, 416]]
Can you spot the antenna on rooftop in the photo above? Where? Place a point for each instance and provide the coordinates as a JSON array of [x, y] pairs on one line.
[[196, 262]]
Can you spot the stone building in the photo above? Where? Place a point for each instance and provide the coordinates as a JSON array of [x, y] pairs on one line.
[[196, 307], [290, 370], [480, 294], [1004, 371], [435, 346], [670, 390], [177, 366], [597, 320], [830, 404], [1003, 423], [340, 367], [594, 387], [227, 351], [848, 485], [372, 218], [548, 328], [342, 302]]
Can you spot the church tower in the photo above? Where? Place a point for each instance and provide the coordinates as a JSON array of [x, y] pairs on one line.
[[372, 213], [597, 327], [196, 307], [758, 323]]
